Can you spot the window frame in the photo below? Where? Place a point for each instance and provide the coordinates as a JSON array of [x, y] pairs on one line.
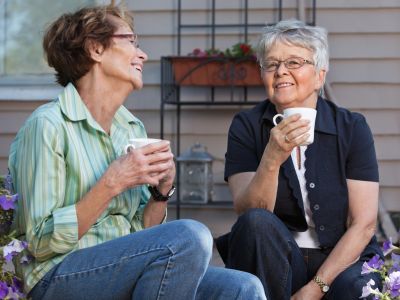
[[28, 87]]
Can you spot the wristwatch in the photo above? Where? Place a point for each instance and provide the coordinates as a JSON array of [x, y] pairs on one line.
[[322, 285], [157, 196]]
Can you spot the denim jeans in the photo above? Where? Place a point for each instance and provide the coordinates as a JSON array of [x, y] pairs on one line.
[[261, 244], [168, 261]]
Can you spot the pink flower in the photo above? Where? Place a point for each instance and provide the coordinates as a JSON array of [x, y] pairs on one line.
[[245, 48], [199, 53]]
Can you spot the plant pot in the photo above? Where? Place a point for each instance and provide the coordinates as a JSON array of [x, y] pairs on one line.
[[218, 71]]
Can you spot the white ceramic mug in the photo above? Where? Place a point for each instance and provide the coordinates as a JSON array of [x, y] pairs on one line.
[[306, 113], [138, 143]]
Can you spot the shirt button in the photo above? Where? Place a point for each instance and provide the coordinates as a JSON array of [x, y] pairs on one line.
[[316, 207], [322, 227], [312, 185]]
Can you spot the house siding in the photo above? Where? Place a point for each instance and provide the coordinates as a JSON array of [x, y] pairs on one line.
[[364, 41]]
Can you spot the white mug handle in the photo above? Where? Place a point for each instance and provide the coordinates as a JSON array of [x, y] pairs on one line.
[[277, 116], [128, 148]]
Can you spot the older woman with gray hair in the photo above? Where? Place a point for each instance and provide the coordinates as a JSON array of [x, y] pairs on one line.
[[307, 211]]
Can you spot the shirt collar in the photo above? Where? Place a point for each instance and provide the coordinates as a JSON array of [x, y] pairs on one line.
[[74, 109], [324, 122]]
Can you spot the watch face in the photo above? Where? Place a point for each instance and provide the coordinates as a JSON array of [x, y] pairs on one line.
[[171, 191], [325, 288]]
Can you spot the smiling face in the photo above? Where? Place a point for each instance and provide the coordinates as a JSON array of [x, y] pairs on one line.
[[122, 62], [292, 87]]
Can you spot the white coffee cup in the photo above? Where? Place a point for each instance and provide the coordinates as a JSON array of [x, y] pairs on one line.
[[306, 113], [138, 143]]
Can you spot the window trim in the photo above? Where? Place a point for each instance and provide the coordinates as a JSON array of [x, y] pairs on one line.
[[27, 87]]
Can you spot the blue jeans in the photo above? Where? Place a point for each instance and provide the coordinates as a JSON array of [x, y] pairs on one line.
[[168, 261], [261, 244]]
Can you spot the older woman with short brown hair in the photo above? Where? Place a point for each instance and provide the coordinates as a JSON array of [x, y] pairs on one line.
[[90, 211]]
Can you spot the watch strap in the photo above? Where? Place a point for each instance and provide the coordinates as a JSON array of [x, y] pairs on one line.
[[157, 196], [322, 285]]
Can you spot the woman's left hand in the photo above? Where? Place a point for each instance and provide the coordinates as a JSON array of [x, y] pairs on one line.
[[308, 292]]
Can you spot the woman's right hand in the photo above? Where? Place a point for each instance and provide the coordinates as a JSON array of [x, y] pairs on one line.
[[145, 165], [288, 134]]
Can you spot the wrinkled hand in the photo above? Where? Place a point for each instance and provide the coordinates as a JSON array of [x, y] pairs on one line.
[[152, 164], [288, 134]]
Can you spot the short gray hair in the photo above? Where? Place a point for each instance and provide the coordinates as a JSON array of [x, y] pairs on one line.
[[297, 33]]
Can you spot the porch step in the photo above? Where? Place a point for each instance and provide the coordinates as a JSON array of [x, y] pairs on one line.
[[218, 217]]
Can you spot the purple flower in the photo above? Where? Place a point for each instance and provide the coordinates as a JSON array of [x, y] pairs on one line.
[[14, 293], [374, 264], [13, 248], [387, 247], [17, 288], [396, 258], [7, 203], [3, 290], [395, 267], [8, 183], [25, 259], [393, 284], [17, 284], [368, 290]]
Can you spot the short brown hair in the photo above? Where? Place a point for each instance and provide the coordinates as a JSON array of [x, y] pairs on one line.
[[66, 40]]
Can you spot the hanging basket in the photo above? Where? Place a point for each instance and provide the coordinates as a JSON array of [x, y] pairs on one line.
[[210, 71]]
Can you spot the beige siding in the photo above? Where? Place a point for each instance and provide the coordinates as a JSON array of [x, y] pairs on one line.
[[365, 75]]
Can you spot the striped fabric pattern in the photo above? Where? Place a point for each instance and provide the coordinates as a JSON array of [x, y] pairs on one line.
[[57, 156]]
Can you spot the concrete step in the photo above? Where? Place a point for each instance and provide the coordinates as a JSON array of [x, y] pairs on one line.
[[218, 217]]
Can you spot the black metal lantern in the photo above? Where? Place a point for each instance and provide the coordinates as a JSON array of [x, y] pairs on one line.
[[195, 175]]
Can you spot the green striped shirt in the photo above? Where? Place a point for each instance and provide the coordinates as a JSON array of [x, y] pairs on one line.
[[57, 156]]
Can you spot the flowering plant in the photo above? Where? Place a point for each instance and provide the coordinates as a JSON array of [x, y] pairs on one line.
[[238, 50], [389, 271], [10, 284]]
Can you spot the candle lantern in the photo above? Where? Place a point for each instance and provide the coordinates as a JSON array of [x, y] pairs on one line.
[[195, 175]]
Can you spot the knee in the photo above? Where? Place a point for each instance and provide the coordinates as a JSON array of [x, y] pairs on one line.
[[257, 221], [195, 237], [250, 287]]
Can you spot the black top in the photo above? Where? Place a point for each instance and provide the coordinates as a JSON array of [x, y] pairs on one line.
[[343, 149]]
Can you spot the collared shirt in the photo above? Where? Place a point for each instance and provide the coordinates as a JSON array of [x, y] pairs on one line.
[[343, 149], [57, 156]]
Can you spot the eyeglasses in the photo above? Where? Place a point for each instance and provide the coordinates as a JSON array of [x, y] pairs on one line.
[[290, 63], [133, 38]]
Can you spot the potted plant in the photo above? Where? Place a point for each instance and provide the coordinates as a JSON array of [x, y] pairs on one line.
[[236, 66]]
